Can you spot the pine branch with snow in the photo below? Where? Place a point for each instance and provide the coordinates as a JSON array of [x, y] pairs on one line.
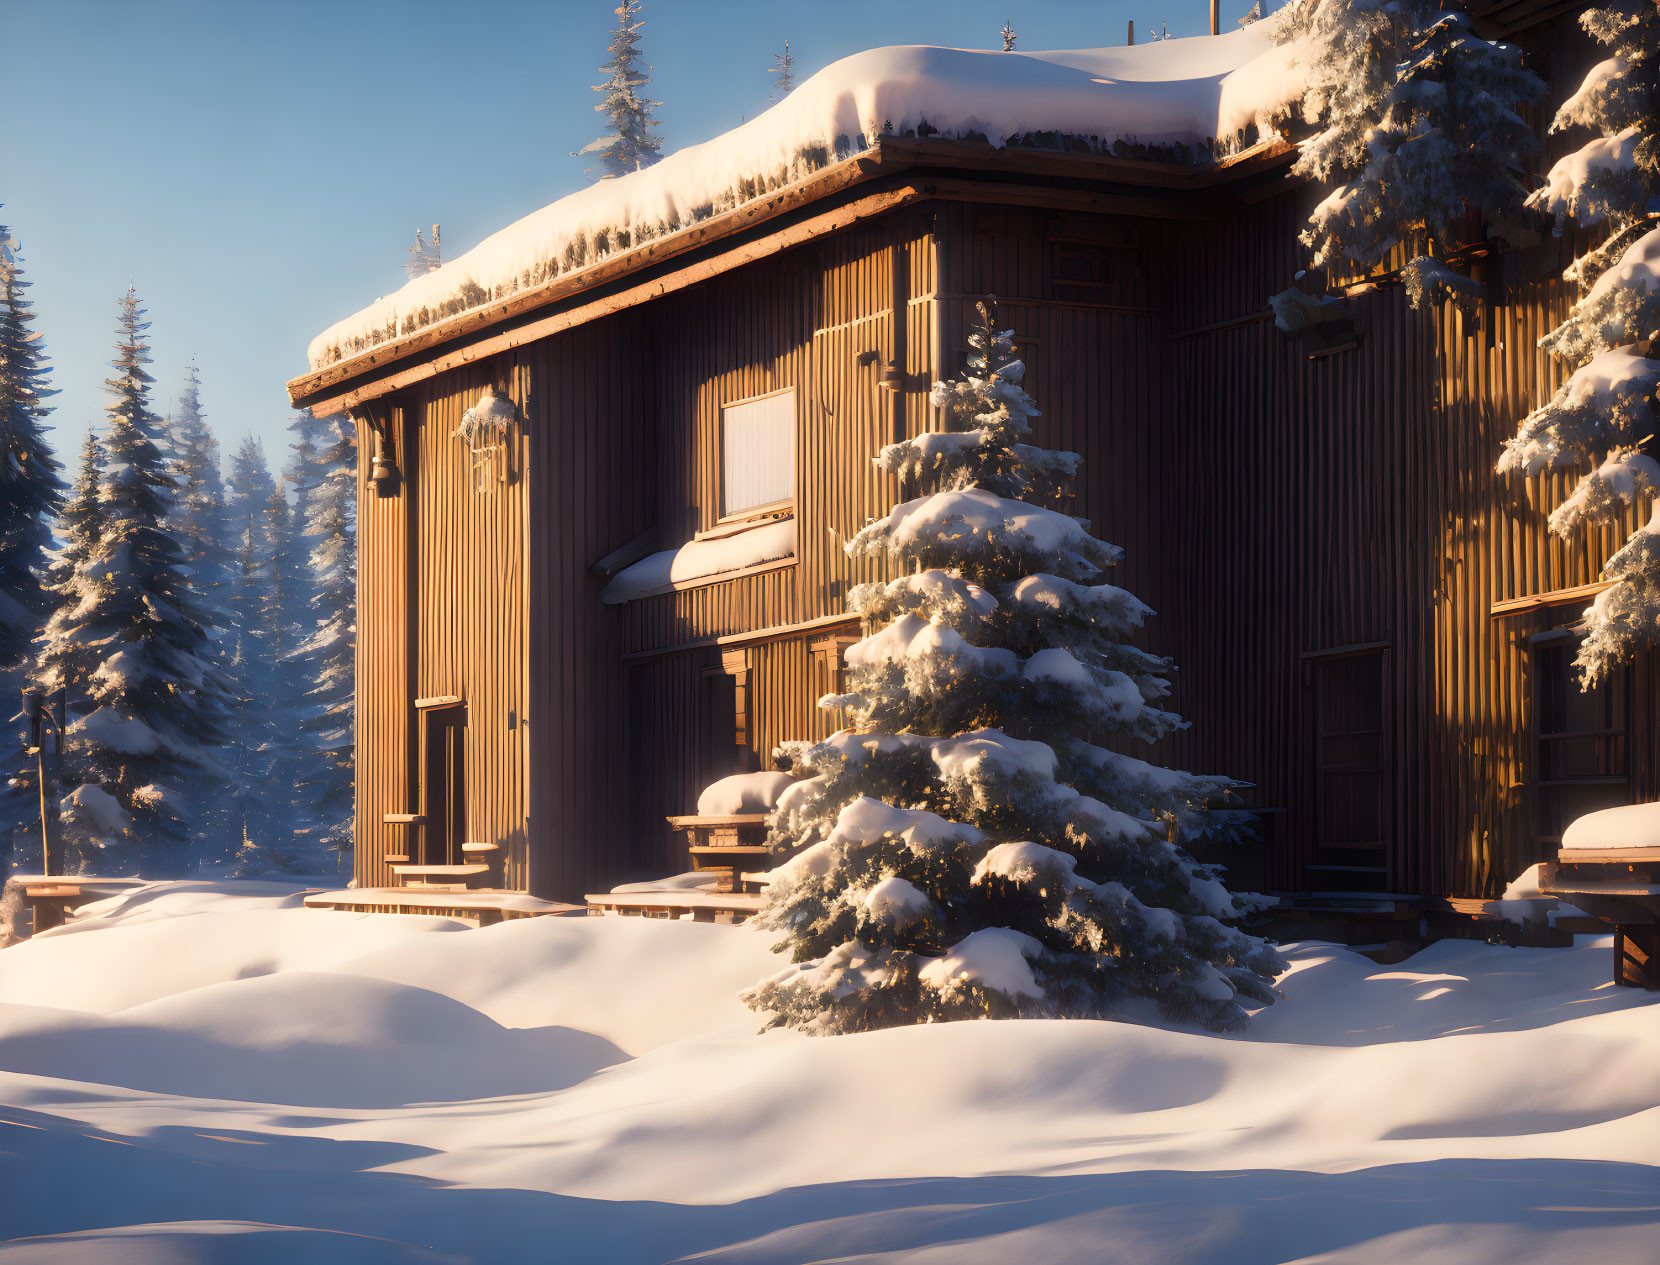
[[1417, 126], [630, 142], [976, 844], [1604, 416]]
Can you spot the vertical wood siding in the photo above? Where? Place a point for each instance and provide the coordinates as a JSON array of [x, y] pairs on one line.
[[1274, 510]]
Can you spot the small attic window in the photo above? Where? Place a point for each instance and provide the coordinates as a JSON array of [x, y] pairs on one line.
[[757, 451]]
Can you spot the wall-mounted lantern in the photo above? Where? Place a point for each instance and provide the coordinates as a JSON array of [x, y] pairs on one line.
[[487, 430]]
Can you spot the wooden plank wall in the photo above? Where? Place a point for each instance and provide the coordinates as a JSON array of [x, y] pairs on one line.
[[383, 685], [1272, 507]]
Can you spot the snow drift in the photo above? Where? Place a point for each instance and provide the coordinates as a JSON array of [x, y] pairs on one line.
[[200, 1072]]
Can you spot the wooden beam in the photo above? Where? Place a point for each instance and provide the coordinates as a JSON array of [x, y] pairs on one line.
[[317, 389], [774, 633], [1555, 597]]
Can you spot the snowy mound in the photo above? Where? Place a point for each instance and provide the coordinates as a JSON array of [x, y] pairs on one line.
[[1183, 91], [1630, 826], [198, 1075], [742, 793]]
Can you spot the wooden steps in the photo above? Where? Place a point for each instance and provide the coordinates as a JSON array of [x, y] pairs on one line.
[[1621, 888], [729, 907], [442, 878]]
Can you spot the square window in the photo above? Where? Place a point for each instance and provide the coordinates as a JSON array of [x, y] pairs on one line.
[[757, 454]]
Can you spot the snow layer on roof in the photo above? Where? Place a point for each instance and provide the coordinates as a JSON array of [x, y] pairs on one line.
[[1174, 91], [698, 559]]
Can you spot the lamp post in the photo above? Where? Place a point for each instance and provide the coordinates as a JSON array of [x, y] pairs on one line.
[[39, 711]]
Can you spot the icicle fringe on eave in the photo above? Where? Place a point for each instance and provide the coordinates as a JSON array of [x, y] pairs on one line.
[[1169, 100]]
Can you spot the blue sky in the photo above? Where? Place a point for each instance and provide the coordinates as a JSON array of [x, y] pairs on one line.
[[258, 169]]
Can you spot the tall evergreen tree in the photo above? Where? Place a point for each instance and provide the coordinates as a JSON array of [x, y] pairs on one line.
[[197, 516], [154, 705], [630, 141], [31, 492], [1604, 415], [1417, 126], [253, 647], [972, 846], [325, 482]]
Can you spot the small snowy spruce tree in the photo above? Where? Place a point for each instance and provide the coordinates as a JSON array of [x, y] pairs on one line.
[[1605, 414], [424, 256], [325, 480], [973, 846], [1417, 126], [783, 74], [630, 141], [155, 703], [31, 492], [1009, 37]]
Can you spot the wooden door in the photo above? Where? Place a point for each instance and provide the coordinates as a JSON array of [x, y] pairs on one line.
[[445, 785], [1352, 790]]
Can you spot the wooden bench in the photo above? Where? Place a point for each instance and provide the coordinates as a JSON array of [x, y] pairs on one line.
[[725, 846], [1621, 887], [724, 907], [49, 898], [484, 906]]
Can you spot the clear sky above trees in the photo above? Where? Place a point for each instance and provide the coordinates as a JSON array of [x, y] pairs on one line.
[[258, 170]]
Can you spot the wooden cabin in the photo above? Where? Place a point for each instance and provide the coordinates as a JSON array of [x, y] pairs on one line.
[[1372, 629]]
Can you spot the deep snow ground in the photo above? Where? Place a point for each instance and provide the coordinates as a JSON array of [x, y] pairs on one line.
[[210, 1073]]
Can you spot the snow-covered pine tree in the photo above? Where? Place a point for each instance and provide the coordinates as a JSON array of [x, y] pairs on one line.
[[974, 846], [1604, 416], [253, 646], [630, 142], [1417, 127], [197, 516], [31, 492], [783, 74], [155, 704], [424, 256], [325, 480], [1009, 37], [64, 661]]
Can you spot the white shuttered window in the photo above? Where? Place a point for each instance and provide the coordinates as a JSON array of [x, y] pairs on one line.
[[757, 453]]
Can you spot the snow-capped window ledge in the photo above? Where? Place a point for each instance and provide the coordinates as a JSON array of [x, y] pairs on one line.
[[696, 563]]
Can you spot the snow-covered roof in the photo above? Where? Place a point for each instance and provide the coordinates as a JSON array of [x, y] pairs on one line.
[[1183, 91]]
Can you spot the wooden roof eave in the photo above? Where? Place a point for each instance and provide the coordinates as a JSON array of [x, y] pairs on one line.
[[1088, 182]]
